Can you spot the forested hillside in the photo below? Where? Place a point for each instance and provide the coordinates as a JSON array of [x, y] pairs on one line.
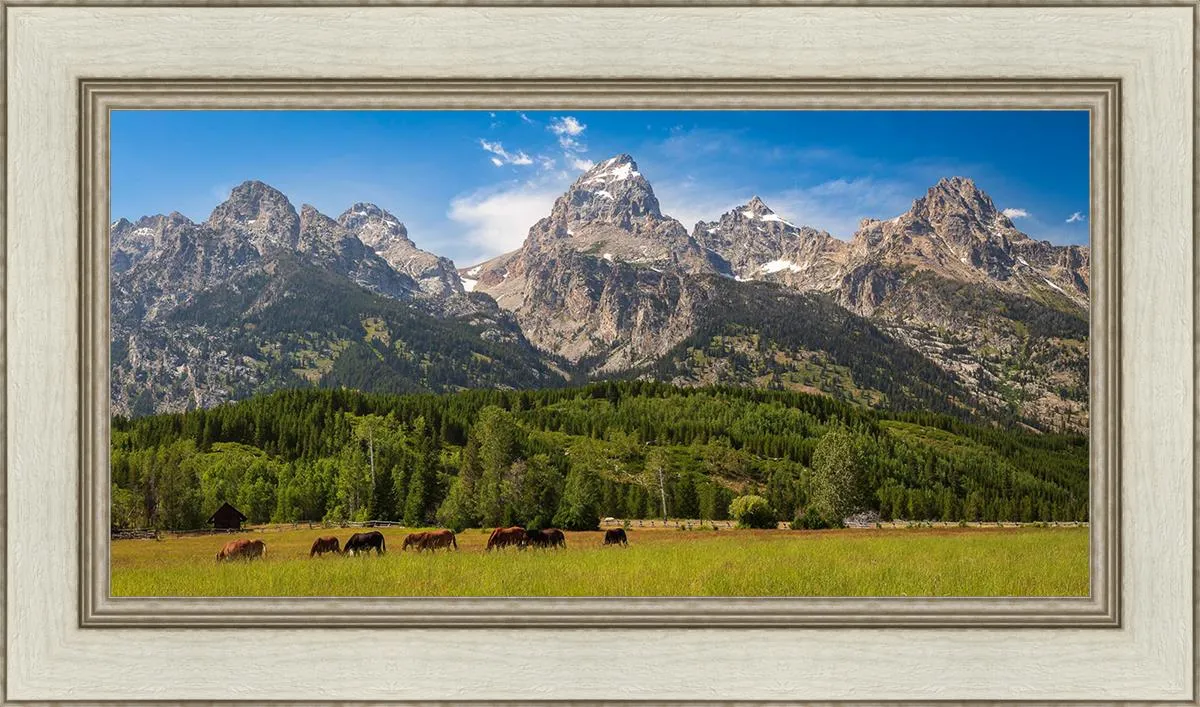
[[569, 457]]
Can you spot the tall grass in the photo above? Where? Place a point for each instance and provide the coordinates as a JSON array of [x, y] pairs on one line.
[[912, 562]]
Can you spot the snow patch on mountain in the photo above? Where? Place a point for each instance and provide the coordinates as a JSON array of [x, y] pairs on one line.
[[779, 265]]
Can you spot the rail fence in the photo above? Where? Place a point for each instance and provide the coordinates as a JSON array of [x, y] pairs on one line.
[[681, 524]]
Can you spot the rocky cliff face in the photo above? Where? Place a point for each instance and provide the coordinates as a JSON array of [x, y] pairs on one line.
[[956, 232], [383, 233], [954, 278], [760, 245], [605, 281]]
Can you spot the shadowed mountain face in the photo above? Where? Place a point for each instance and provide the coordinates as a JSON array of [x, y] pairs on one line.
[[946, 307]]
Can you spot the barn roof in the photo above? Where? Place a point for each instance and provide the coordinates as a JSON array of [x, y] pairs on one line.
[[224, 511]]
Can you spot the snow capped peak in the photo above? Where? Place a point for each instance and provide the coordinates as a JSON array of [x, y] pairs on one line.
[[614, 169], [757, 210]]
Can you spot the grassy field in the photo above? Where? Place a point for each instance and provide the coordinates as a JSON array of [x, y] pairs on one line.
[[1025, 561]]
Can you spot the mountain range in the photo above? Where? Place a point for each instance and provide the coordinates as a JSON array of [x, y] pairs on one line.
[[947, 307]]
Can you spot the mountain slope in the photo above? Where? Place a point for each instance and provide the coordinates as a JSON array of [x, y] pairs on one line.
[[769, 336], [261, 297]]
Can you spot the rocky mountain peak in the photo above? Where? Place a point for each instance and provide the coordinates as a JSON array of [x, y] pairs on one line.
[[260, 210], [756, 206], [386, 235], [316, 227], [613, 191], [374, 226], [957, 198]]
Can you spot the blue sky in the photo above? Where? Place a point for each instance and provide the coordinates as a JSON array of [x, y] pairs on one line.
[[468, 184]]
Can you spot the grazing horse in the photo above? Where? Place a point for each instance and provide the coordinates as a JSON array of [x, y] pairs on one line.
[[503, 537], [547, 537], [435, 539], [365, 542], [242, 549], [615, 536], [414, 540], [321, 546]]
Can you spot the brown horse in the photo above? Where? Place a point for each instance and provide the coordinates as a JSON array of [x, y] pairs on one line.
[[503, 537], [547, 537], [436, 539], [321, 546], [242, 549], [413, 539]]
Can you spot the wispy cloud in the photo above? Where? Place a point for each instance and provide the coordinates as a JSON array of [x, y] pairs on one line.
[[569, 130], [496, 220], [503, 157], [1076, 217], [1015, 213], [838, 205], [526, 119], [221, 192]]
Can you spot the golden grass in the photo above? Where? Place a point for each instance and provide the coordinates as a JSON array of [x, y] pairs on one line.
[[659, 562]]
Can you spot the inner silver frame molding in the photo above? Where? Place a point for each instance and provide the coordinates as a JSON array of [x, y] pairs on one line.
[[1100, 609]]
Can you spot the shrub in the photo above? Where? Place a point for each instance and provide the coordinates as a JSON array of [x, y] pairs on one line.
[[810, 519], [752, 512]]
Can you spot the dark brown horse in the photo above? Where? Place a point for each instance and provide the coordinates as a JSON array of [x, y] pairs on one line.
[[321, 546], [547, 537], [242, 550], [365, 542], [503, 537], [615, 536]]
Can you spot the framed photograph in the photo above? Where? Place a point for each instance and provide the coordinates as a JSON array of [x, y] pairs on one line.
[[646, 354]]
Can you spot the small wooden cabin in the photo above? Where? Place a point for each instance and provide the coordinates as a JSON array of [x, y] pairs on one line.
[[227, 517]]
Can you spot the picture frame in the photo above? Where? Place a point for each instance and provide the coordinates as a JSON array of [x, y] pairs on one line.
[[1132, 639]]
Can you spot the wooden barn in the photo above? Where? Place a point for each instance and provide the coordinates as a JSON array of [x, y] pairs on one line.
[[227, 517]]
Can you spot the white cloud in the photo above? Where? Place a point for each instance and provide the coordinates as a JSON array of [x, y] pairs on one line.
[[527, 119], [1015, 213], [568, 129], [1076, 217], [503, 157], [567, 125], [497, 221]]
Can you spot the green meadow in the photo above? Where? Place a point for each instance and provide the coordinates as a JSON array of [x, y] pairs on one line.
[[916, 562]]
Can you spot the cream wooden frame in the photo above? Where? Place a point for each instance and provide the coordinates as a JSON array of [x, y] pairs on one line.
[[1132, 639]]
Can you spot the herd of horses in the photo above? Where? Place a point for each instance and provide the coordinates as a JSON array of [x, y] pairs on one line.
[[361, 543]]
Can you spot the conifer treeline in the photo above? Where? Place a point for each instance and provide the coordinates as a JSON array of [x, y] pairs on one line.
[[569, 457]]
